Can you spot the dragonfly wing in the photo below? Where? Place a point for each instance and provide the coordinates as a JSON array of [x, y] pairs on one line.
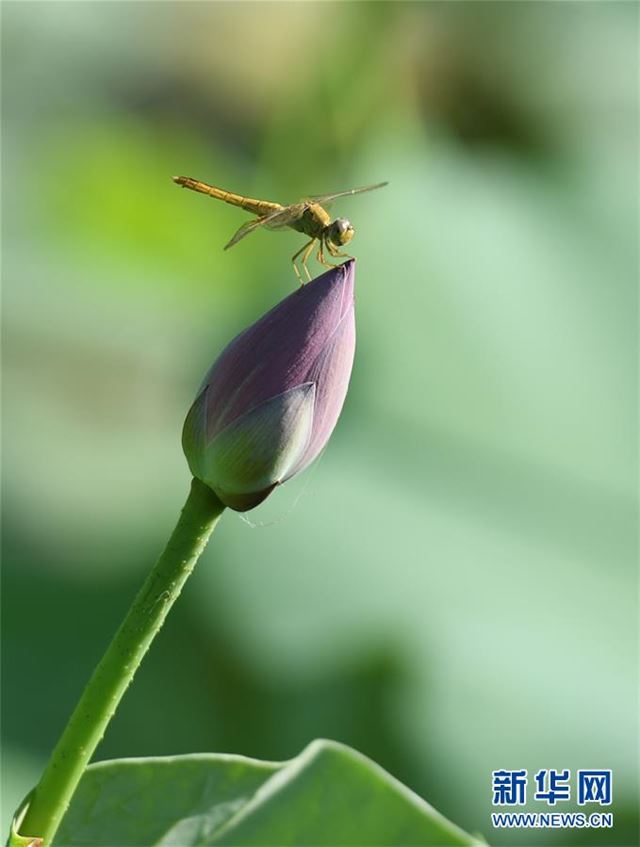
[[286, 216], [327, 198], [275, 220], [245, 229]]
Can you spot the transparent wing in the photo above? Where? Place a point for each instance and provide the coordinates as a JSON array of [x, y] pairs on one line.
[[287, 216], [274, 220], [327, 198]]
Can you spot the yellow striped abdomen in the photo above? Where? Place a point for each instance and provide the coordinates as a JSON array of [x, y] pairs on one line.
[[256, 207]]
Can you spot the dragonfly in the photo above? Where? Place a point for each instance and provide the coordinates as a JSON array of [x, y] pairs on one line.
[[308, 217]]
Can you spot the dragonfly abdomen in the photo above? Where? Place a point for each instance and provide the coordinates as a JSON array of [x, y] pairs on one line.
[[249, 204]]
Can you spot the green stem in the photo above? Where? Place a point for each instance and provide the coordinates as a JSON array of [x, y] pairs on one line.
[[110, 679]]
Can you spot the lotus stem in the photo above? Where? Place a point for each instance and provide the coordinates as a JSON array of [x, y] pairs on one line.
[[112, 676]]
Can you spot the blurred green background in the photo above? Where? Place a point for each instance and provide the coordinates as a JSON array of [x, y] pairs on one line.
[[451, 588]]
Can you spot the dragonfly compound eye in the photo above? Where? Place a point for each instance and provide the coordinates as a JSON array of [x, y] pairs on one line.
[[342, 231]]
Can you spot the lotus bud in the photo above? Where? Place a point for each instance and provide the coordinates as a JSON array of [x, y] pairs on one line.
[[273, 397]]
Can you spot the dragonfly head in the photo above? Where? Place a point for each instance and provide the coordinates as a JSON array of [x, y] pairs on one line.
[[340, 232]]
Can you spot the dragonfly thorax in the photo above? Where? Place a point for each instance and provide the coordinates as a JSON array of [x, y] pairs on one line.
[[340, 231]]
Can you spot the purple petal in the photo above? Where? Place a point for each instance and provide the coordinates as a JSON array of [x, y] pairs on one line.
[[278, 351], [330, 372]]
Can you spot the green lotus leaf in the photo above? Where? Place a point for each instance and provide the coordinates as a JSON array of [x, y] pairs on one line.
[[329, 795]]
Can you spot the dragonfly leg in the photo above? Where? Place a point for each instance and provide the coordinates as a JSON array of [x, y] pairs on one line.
[[305, 258], [337, 253], [306, 249], [321, 257]]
